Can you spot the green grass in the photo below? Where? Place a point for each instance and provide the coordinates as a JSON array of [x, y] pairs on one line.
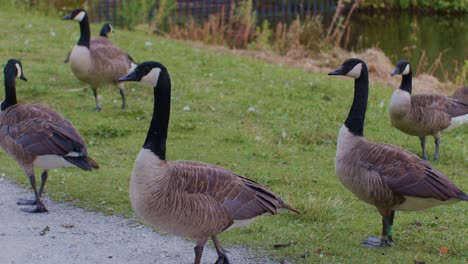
[[219, 89]]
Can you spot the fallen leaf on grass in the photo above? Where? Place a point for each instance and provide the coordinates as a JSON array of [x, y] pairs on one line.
[[443, 251]]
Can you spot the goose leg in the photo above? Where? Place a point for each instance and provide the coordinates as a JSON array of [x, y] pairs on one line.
[[384, 242], [199, 251], [390, 227], [23, 201], [98, 106], [423, 146], [375, 242], [122, 93], [437, 143], [222, 257], [68, 58], [40, 208]]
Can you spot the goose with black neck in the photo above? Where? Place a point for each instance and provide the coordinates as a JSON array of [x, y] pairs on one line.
[[96, 63], [37, 136], [189, 198], [383, 175], [424, 114]]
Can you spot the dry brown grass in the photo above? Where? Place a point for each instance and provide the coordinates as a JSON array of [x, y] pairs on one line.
[[305, 44]]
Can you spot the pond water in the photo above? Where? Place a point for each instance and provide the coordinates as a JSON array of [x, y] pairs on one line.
[[408, 36]]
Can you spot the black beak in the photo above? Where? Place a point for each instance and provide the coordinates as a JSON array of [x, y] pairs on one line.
[[67, 17], [130, 77], [395, 72], [23, 78], [338, 71]]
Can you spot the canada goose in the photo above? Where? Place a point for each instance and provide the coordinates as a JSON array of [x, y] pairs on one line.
[[35, 135], [386, 176], [424, 114], [461, 94], [97, 64], [188, 198]]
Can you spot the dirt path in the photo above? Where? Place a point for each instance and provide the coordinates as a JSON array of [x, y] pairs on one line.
[[77, 236]]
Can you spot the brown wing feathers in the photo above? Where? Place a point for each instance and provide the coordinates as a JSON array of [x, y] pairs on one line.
[[41, 131], [241, 197], [406, 174]]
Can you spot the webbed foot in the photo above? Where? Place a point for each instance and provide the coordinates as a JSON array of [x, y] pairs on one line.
[[375, 242]]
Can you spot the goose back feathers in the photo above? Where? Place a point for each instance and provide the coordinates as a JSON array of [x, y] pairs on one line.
[[34, 133], [188, 198]]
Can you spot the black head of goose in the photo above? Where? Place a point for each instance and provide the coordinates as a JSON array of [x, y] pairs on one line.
[[386, 176], [35, 135], [189, 198], [97, 62], [106, 29], [424, 114]]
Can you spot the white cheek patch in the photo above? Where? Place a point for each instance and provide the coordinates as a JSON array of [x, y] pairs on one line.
[[152, 77], [18, 69], [355, 72], [80, 16], [406, 71], [111, 29]]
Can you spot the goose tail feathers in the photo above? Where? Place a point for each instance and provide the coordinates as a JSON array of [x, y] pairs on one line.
[[462, 196], [288, 207]]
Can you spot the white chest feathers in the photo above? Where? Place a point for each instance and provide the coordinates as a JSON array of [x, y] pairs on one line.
[[49, 162], [400, 104], [148, 171], [80, 61], [345, 143]]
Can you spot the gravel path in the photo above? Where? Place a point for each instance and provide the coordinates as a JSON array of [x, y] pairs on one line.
[[77, 236]]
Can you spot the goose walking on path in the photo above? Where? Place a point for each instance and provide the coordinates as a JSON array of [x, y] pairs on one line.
[[189, 198], [386, 176], [424, 114], [35, 135], [95, 63]]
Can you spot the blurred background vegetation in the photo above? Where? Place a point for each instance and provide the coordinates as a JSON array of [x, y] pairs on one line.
[[431, 34]]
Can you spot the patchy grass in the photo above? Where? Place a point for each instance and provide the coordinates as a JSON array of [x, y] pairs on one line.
[[288, 142]]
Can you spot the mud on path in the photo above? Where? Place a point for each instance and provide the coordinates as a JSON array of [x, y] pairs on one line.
[[69, 235]]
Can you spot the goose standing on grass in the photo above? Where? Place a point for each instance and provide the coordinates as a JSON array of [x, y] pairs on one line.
[[424, 114], [188, 198], [383, 175], [94, 63], [35, 135]]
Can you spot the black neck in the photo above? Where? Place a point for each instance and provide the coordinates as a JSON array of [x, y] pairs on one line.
[[10, 89], [157, 133], [406, 82], [357, 114], [103, 33], [85, 35]]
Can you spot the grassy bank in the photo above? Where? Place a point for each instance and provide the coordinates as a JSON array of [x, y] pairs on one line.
[[287, 143]]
